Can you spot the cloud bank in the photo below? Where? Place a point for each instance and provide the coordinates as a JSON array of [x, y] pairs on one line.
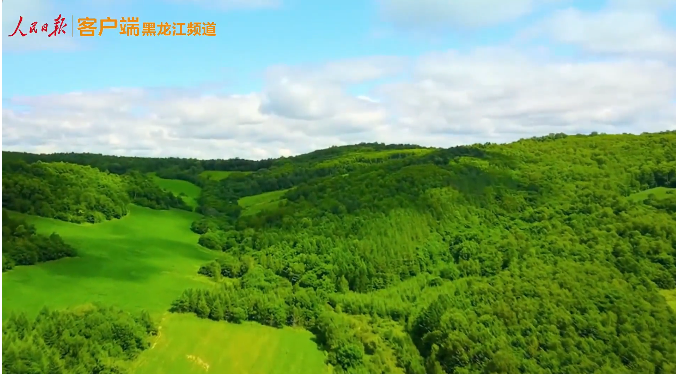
[[622, 78]]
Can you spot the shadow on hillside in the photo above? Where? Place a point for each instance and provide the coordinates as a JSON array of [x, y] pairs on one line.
[[132, 260], [473, 180], [91, 265]]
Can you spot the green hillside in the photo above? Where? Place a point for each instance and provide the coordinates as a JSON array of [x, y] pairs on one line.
[[139, 262], [670, 296], [64, 191], [658, 192], [142, 262], [76, 193], [551, 254], [391, 242], [371, 156], [217, 175], [183, 189], [190, 345], [256, 203]]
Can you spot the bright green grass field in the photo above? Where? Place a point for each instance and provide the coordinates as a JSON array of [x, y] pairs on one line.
[[670, 296], [660, 193], [256, 203], [176, 186], [187, 345], [218, 175], [142, 261]]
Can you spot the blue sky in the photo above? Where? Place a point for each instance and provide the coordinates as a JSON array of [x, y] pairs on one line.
[[247, 41], [308, 41]]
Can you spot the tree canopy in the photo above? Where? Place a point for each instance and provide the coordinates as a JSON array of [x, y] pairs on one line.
[[76, 193], [91, 340]]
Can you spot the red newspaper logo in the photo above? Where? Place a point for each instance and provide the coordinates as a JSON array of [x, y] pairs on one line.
[[59, 27]]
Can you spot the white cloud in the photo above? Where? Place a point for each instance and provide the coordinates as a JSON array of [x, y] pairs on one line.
[[147, 122], [612, 30], [642, 4], [448, 98], [317, 92], [501, 94], [440, 98], [434, 14]]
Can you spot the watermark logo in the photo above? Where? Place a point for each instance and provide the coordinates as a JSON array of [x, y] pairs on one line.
[[59, 27], [128, 26], [132, 27]]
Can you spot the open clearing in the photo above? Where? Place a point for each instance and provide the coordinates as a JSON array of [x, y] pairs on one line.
[[218, 175], [256, 203], [176, 186], [670, 295], [187, 344], [659, 192], [142, 261]]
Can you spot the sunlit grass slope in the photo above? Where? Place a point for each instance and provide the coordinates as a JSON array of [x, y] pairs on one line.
[[256, 203], [187, 345], [372, 156], [659, 192], [142, 261], [670, 296], [176, 186], [218, 175]]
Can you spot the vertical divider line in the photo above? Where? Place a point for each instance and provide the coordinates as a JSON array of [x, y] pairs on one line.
[[72, 22]]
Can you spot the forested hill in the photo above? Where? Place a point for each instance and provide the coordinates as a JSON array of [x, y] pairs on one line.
[[77, 193], [546, 255], [189, 169]]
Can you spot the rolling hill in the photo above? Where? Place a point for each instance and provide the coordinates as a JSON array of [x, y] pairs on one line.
[[138, 262], [550, 254], [187, 191]]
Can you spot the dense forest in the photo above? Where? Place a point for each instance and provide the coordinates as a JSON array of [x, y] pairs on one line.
[[92, 340], [545, 255], [21, 245], [75, 193], [527, 257]]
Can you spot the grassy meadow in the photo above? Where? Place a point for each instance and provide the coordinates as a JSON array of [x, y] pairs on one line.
[[218, 175], [190, 345], [142, 261], [659, 192], [256, 203], [670, 296], [175, 186]]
